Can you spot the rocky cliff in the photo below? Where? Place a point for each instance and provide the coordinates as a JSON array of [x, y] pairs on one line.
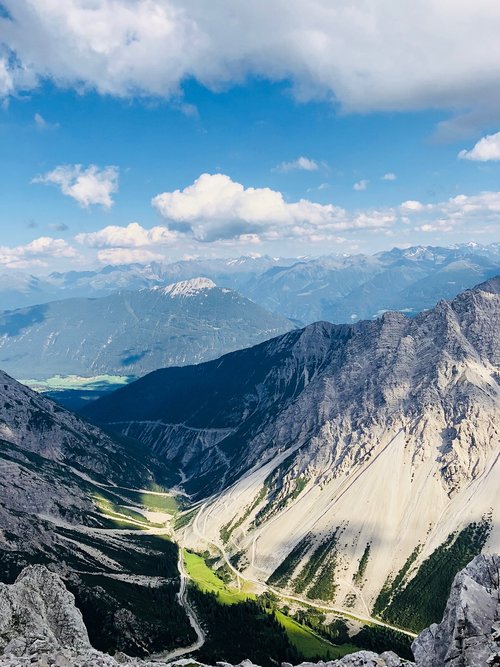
[[39, 624]]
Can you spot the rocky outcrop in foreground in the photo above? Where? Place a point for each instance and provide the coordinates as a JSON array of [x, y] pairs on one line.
[[40, 625], [469, 633]]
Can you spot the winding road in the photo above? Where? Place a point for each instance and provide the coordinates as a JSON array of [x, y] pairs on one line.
[[182, 595], [193, 620]]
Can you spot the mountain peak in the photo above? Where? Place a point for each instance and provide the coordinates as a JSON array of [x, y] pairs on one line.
[[189, 287], [492, 285]]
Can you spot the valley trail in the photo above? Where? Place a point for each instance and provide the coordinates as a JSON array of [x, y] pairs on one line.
[[193, 620]]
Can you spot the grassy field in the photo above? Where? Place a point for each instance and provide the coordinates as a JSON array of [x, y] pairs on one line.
[[151, 501], [208, 582], [115, 511], [305, 641], [309, 644]]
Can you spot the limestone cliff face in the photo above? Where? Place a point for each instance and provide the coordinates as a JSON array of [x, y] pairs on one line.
[[33, 423], [39, 624]]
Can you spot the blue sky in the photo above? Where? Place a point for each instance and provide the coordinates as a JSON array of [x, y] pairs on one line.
[[244, 129]]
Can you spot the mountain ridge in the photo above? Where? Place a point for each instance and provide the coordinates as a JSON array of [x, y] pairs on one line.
[[131, 333], [338, 288]]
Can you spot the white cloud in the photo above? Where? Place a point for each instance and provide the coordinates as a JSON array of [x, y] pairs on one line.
[[40, 121], [301, 163], [487, 149], [215, 207], [348, 53], [36, 253], [86, 186], [390, 176], [6, 81], [116, 256], [215, 216], [360, 185], [465, 212], [131, 236], [411, 206], [485, 205], [437, 226]]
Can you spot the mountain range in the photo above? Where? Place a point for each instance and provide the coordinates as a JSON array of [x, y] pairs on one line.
[[130, 333], [342, 288], [18, 289], [357, 287], [351, 467], [356, 464]]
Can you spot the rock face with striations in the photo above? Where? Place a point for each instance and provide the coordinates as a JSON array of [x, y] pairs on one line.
[[39, 624], [469, 633], [38, 613]]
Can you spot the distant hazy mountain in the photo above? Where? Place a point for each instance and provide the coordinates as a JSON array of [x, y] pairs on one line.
[[348, 289], [351, 462], [332, 288], [19, 290], [132, 333]]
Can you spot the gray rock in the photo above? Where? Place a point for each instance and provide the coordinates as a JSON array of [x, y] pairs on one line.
[[468, 635], [38, 614]]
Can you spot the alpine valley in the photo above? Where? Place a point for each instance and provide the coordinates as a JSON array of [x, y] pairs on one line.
[[304, 498], [352, 465], [249, 333]]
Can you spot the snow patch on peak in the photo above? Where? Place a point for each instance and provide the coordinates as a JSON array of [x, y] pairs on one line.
[[189, 287]]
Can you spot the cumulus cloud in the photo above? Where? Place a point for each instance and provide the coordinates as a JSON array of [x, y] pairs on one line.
[[485, 206], [36, 253], [390, 176], [349, 53], [487, 149], [301, 163], [215, 207], [117, 256], [411, 205], [131, 236], [462, 212], [90, 186], [360, 185]]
